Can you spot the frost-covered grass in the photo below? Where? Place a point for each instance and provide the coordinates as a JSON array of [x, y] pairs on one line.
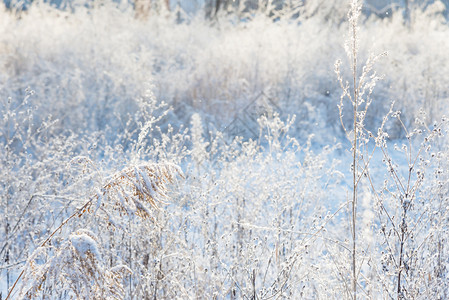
[[90, 61], [90, 96]]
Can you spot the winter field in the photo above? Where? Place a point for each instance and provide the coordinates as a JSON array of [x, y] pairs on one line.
[[258, 150]]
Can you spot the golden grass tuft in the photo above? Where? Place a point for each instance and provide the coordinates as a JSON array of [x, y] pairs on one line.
[[132, 189]]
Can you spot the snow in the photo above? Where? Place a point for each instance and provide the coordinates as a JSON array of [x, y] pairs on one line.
[[85, 245], [231, 126]]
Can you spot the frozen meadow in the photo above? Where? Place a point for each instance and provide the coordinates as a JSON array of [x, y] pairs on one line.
[[261, 150]]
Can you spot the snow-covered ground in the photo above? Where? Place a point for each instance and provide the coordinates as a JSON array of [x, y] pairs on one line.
[[246, 103]]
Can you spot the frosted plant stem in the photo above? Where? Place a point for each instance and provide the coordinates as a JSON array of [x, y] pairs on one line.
[[354, 160], [401, 251], [354, 212], [400, 265], [130, 259]]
